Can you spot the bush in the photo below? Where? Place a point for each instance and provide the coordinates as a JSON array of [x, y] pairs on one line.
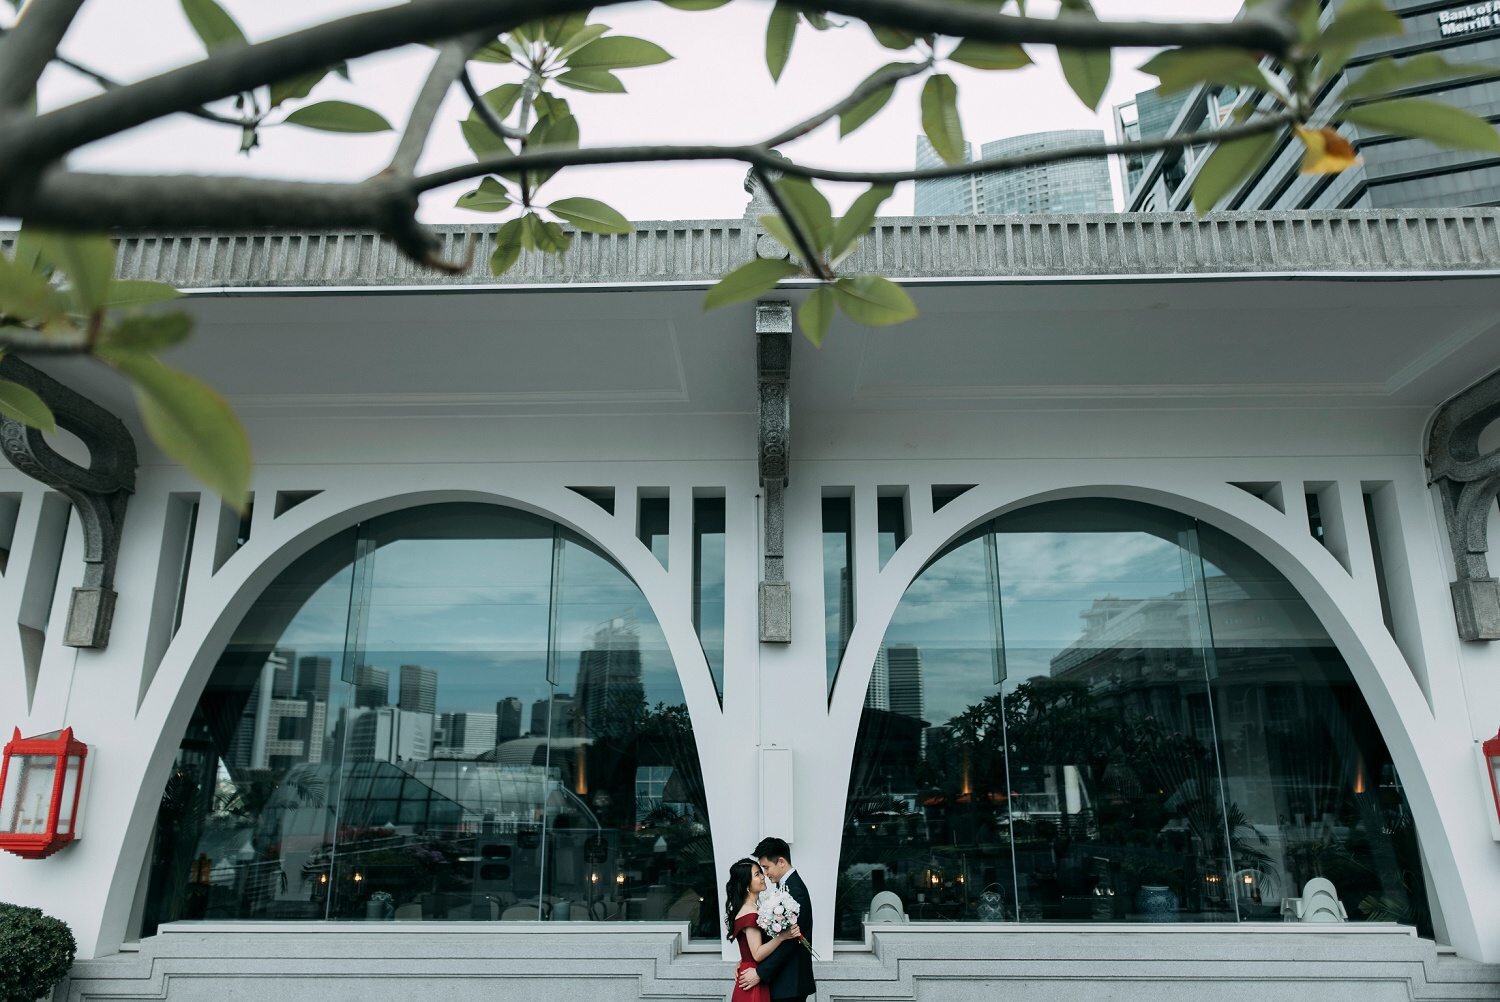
[[36, 951]]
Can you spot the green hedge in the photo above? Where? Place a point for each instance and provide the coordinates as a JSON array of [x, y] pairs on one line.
[[36, 950]]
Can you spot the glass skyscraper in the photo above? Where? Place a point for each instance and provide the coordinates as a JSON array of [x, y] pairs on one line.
[[1066, 186], [947, 196], [1393, 172]]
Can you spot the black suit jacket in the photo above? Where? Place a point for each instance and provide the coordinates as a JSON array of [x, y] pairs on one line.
[[789, 970]]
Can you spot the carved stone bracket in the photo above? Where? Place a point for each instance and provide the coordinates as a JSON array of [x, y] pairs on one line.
[[773, 358], [99, 493], [1468, 482]]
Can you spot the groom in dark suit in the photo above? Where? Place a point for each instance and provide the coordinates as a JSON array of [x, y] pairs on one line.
[[788, 970]]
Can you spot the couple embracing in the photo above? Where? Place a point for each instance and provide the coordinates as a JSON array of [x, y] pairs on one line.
[[769, 913]]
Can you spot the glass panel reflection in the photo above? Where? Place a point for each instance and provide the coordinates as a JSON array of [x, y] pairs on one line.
[[457, 712], [1103, 711]]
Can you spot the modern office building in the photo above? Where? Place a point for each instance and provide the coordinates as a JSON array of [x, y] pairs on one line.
[[1157, 601], [507, 719], [467, 735], [1065, 186], [1393, 172], [372, 686], [418, 689], [1148, 116], [945, 196]]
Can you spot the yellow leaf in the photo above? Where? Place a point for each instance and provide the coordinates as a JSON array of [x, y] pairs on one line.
[[1328, 152]]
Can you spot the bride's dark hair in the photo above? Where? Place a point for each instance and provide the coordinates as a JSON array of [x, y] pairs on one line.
[[736, 888]]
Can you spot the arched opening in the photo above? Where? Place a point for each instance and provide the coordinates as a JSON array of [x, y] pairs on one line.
[[1102, 710], [457, 711]]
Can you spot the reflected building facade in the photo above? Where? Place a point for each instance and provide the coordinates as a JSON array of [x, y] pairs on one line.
[[1173, 734]]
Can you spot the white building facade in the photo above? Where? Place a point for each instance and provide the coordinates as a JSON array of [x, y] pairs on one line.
[[1140, 550]]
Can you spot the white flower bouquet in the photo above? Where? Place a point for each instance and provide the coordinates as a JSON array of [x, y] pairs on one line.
[[777, 912]]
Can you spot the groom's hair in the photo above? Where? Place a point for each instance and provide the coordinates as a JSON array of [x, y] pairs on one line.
[[773, 848]]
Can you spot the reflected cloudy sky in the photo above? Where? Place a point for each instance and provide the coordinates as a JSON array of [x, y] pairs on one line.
[[476, 611], [1048, 580]]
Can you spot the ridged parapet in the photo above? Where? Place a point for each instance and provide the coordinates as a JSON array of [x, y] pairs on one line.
[[914, 248]]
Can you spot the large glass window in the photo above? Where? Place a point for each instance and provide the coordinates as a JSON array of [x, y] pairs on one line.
[[1104, 711], [458, 712]]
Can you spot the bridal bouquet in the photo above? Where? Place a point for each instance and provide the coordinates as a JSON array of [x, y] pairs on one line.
[[777, 913]]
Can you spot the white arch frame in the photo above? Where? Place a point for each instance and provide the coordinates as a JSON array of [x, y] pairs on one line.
[[1420, 744]]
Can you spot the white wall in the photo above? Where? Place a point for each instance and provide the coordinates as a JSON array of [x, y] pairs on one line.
[[1431, 705]]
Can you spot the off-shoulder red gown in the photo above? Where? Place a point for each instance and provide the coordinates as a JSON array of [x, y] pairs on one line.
[[760, 993]]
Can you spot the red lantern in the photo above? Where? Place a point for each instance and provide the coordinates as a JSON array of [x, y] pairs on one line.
[[1491, 752], [41, 779]]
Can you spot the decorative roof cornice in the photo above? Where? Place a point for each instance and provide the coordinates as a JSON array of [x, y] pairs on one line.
[[1137, 245]]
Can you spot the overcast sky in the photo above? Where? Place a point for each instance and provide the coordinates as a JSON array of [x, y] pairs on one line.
[[716, 90]]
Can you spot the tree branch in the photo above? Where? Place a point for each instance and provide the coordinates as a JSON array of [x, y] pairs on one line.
[[80, 201], [810, 256], [887, 77], [450, 64], [485, 112], [37, 141], [756, 155], [109, 83], [30, 45]]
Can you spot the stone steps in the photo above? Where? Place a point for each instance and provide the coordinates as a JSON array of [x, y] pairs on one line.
[[355, 962]]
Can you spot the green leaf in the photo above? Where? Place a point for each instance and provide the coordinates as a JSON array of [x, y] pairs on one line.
[[617, 52], [557, 30], [1228, 165], [870, 106], [190, 422], [781, 29], [127, 292], [26, 294], [493, 52], [296, 88], [990, 55], [580, 38], [815, 314], [1359, 21], [1433, 121], [1086, 70], [88, 262], [748, 281], [894, 38], [557, 129], [149, 332], [507, 247], [592, 81], [490, 196], [695, 5], [809, 209], [590, 215], [212, 23], [338, 116], [23, 405], [874, 301], [545, 236], [1179, 69], [1386, 75], [481, 140], [940, 118], [856, 222], [778, 228], [502, 101]]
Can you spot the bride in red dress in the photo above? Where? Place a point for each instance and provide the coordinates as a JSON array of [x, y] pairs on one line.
[[740, 912]]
